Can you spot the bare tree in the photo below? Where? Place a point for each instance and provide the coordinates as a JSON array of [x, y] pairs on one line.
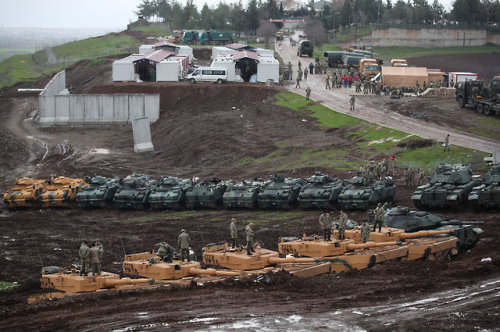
[[267, 30], [315, 31]]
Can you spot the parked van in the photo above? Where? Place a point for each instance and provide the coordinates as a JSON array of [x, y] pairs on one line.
[[208, 74]]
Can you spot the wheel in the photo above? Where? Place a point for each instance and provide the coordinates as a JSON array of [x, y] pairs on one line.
[[219, 81], [487, 110], [461, 102], [192, 80], [480, 108]]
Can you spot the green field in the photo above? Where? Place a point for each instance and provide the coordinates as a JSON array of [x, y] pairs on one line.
[[392, 52], [318, 51], [154, 30]]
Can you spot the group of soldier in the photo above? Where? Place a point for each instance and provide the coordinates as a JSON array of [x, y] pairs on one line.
[[373, 171], [90, 258], [413, 176]]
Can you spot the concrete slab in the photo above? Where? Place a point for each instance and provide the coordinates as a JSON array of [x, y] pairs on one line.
[[47, 110], [120, 108], [106, 109], [76, 109], [152, 107], [136, 106], [91, 109], [142, 135], [62, 109]]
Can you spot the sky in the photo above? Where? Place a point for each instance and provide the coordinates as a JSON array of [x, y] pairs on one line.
[[113, 14]]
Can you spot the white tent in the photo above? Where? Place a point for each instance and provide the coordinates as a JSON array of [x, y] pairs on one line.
[[123, 70], [221, 50], [168, 71], [268, 68], [185, 50]]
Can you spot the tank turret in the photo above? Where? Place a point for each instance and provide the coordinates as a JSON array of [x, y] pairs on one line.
[[487, 195], [134, 192], [280, 193], [321, 191], [169, 194], [206, 194], [358, 195], [449, 186]]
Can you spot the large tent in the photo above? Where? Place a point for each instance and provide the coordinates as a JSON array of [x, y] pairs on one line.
[[404, 76]]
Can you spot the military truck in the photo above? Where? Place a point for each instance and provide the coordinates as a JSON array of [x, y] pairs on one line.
[[360, 195], [369, 67], [306, 47], [190, 37], [449, 187], [334, 58], [320, 192], [206, 194], [482, 98], [134, 192], [487, 195], [170, 194], [243, 194], [214, 37], [280, 193], [98, 193]]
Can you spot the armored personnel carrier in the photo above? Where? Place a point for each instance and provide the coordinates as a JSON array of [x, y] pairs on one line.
[[321, 191], [206, 194], [98, 193], [487, 195], [449, 186], [170, 193], [25, 193], [60, 191], [134, 192], [243, 194], [357, 195], [280, 193]]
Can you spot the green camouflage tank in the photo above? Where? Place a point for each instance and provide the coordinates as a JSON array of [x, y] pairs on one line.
[[98, 193], [449, 186], [487, 195], [321, 191], [206, 194], [280, 193], [359, 196], [169, 194], [134, 192], [243, 194]]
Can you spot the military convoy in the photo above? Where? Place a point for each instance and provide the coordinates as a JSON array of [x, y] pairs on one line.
[[482, 98], [449, 186]]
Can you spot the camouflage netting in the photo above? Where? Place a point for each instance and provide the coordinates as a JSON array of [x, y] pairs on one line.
[[438, 93]]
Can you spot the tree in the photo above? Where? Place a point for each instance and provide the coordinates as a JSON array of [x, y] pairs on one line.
[[437, 11], [346, 13], [267, 30], [206, 17], [315, 31], [399, 12], [237, 18], [252, 16], [466, 11]]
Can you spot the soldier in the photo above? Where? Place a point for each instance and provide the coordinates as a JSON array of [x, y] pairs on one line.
[[95, 254], [365, 87], [406, 175], [234, 232], [311, 68], [297, 85], [447, 143], [305, 74], [249, 233], [184, 243], [365, 232], [289, 65], [351, 102], [342, 224], [420, 177], [299, 74], [417, 84], [357, 83], [308, 93], [425, 85], [300, 65], [165, 252], [411, 176], [327, 82], [379, 215], [84, 254], [282, 78], [326, 226]]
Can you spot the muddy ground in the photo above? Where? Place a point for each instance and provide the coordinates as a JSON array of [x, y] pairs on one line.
[[203, 130]]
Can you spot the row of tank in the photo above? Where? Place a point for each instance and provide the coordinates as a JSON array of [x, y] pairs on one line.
[[450, 186], [138, 191]]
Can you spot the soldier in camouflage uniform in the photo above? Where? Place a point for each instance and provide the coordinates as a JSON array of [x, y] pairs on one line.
[[308, 93], [95, 254], [234, 231], [300, 65], [411, 175], [327, 82], [305, 74], [84, 254], [351, 102], [249, 234], [342, 224], [184, 242], [297, 85], [379, 215], [326, 226], [447, 143], [406, 175], [420, 177], [365, 232], [165, 252]]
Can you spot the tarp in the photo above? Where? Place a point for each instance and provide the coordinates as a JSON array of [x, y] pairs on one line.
[[246, 54], [165, 43], [157, 56], [236, 46], [404, 76]]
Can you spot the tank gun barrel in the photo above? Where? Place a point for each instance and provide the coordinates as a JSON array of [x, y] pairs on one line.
[[128, 281], [212, 272], [279, 260], [370, 244], [405, 236]]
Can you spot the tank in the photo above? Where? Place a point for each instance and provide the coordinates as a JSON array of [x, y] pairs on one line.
[[280, 193], [357, 195], [170, 194], [449, 186], [25, 193], [134, 192], [206, 194], [60, 192], [98, 193], [243, 194], [487, 195], [321, 191]]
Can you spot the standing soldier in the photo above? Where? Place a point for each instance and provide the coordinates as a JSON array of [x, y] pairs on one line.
[[411, 174], [299, 74], [421, 177], [327, 82], [406, 175], [447, 143], [234, 232], [300, 65], [95, 257], [365, 232], [342, 225], [326, 226], [417, 84], [305, 73], [249, 233], [297, 85], [282, 78], [165, 252], [351, 102], [289, 65], [84, 254], [311, 68], [379, 216], [308, 92], [184, 242]]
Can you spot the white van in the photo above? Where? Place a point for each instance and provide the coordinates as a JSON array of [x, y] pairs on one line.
[[208, 74]]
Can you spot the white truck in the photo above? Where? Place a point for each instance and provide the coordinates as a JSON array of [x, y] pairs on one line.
[[455, 77]]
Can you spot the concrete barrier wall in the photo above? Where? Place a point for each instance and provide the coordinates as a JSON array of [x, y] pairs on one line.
[[97, 109], [429, 37], [56, 85]]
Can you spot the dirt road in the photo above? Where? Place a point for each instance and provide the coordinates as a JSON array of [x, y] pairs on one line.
[[368, 108]]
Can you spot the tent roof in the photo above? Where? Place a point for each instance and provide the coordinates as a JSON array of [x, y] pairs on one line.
[[238, 47], [404, 71], [165, 43], [246, 54], [156, 56]]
